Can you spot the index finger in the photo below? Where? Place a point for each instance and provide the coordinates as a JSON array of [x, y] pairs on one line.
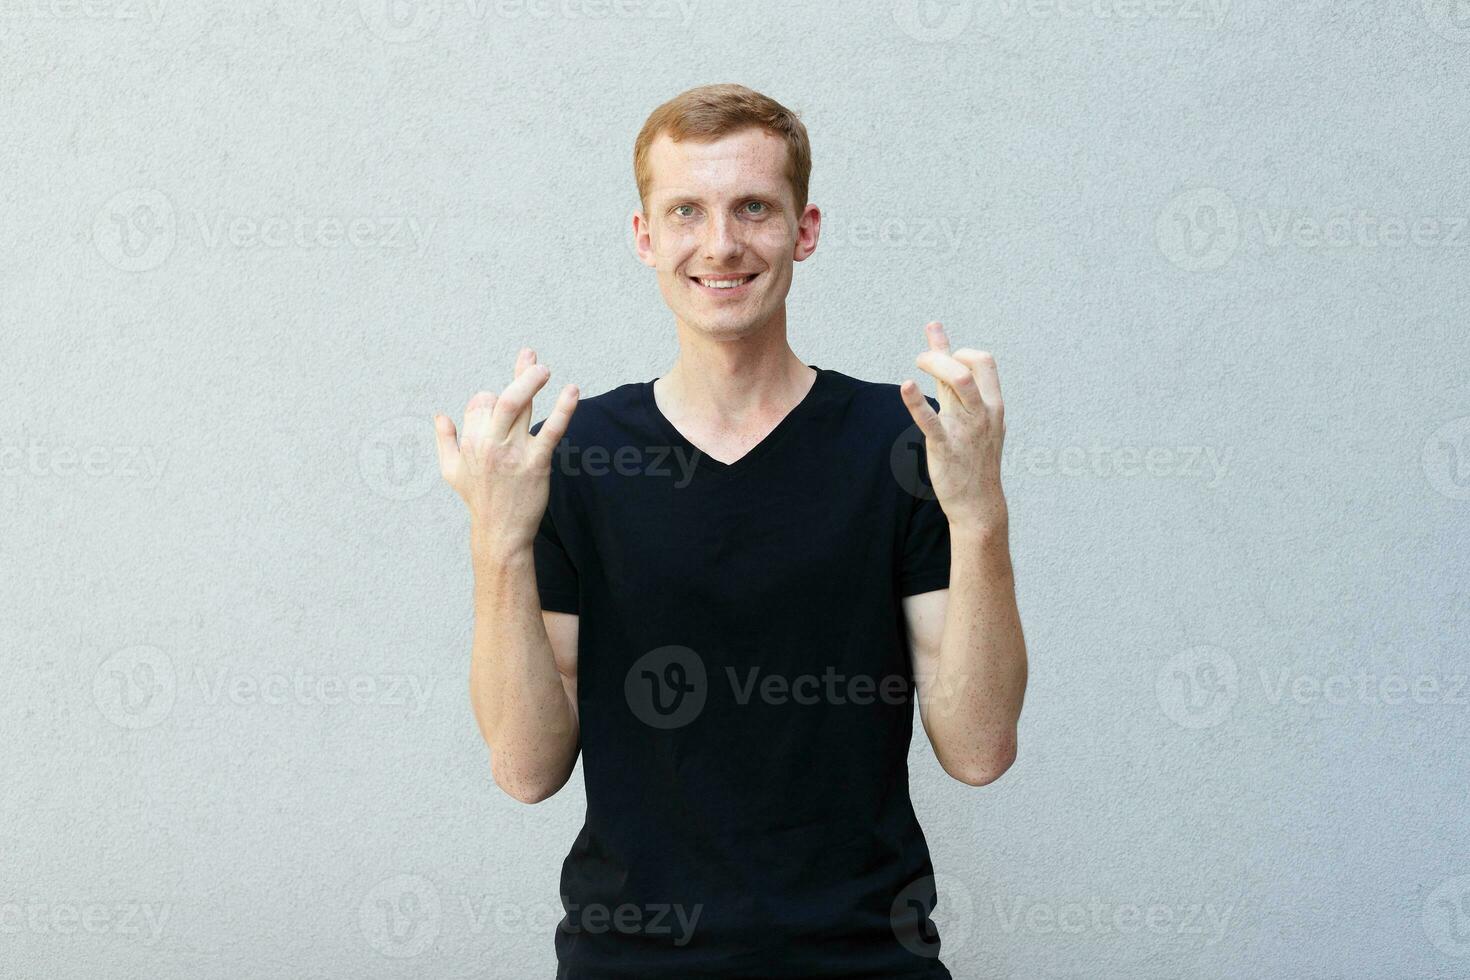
[[938, 339], [987, 375], [525, 358], [515, 402]]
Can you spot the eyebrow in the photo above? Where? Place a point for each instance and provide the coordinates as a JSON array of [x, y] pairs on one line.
[[761, 192]]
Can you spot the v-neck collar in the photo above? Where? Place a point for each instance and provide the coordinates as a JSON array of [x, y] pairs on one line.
[[704, 460]]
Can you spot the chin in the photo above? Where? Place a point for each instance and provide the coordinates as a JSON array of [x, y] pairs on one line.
[[717, 331], [722, 328]]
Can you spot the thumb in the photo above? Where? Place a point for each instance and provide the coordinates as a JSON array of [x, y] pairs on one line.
[[921, 411], [447, 444]]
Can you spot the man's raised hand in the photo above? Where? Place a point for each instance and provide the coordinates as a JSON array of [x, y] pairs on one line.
[[963, 439], [500, 470]]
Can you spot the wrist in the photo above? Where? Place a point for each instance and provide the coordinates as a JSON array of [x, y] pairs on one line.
[[490, 550], [983, 545], [986, 519], [991, 529]]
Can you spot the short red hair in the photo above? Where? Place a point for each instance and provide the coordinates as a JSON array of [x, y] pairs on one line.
[[709, 112]]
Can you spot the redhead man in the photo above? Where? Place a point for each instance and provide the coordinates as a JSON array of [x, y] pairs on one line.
[[727, 586]]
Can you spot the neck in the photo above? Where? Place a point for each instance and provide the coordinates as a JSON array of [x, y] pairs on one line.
[[729, 381]]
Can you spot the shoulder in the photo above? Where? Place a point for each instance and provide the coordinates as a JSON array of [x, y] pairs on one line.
[[876, 404]]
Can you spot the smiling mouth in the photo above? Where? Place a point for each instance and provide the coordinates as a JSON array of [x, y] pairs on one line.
[[727, 282]]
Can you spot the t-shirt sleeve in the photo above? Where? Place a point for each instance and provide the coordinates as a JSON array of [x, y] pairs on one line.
[[556, 575], [925, 563]]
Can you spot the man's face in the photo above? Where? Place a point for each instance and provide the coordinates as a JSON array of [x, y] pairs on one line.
[[721, 213]]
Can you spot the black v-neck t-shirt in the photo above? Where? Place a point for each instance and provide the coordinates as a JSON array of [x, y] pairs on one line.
[[745, 690]]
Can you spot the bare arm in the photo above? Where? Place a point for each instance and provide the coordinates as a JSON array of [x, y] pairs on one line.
[[523, 680], [970, 659], [522, 661], [969, 653]]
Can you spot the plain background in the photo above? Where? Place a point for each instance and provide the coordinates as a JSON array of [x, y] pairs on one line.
[[1220, 253]]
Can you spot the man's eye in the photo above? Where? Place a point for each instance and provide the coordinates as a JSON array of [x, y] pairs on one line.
[[681, 209], [760, 205]]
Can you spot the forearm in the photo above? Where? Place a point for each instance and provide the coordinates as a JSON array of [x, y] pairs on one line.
[[517, 694], [981, 672]]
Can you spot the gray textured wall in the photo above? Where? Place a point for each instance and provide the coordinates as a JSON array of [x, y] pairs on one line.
[[1220, 250]]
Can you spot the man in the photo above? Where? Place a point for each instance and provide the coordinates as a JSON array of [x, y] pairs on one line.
[[726, 590]]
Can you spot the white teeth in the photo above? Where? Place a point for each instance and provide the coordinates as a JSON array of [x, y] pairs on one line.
[[725, 283]]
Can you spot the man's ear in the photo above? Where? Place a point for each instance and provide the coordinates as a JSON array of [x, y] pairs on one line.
[[808, 230], [642, 242]]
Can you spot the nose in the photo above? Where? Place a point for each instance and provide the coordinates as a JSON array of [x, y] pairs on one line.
[[722, 239]]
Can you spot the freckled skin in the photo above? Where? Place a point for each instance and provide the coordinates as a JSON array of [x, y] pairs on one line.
[[719, 207]]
